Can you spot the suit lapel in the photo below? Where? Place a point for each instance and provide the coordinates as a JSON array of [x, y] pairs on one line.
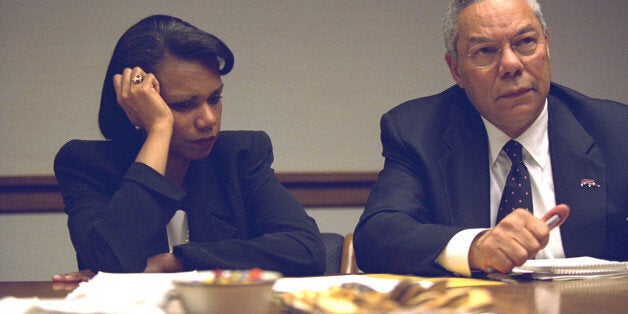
[[209, 216], [464, 168], [575, 158], [159, 243]]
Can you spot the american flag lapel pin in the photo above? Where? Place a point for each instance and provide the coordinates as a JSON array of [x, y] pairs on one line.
[[589, 183]]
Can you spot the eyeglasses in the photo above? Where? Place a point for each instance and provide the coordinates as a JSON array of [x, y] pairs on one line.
[[487, 54]]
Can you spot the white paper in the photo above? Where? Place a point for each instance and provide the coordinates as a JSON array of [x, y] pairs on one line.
[[106, 293], [572, 268]]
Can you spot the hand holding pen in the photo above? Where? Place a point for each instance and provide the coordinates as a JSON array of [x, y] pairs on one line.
[[517, 238]]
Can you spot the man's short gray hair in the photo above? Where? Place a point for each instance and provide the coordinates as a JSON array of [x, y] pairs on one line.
[[450, 30]]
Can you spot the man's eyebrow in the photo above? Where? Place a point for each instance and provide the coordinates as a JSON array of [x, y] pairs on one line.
[[483, 39], [527, 29], [479, 39]]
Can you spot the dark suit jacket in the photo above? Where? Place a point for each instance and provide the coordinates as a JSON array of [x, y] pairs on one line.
[[239, 215], [435, 180]]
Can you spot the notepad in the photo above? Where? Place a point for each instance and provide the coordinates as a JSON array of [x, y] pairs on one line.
[[572, 268]]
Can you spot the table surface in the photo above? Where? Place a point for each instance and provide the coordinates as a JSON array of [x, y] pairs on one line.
[[579, 296]]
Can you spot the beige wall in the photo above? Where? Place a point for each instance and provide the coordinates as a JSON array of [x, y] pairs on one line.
[[316, 75]]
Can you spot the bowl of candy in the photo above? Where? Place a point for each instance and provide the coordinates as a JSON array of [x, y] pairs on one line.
[[227, 291]]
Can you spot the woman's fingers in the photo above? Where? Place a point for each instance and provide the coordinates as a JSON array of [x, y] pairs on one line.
[[137, 92]]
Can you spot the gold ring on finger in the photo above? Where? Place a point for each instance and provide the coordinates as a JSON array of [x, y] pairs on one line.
[[137, 79]]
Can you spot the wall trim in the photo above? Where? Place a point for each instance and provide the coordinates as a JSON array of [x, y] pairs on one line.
[[40, 194]]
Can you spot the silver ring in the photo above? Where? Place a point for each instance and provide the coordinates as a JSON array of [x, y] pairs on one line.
[[137, 79]]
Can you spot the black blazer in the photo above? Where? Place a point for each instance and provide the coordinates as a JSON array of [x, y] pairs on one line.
[[435, 180], [239, 215]]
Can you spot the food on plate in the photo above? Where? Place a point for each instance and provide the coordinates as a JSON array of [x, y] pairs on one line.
[[406, 296]]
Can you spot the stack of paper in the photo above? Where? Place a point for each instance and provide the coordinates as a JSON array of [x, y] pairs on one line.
[[572, 268]]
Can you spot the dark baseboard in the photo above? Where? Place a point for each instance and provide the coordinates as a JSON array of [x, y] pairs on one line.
[[40, 194]]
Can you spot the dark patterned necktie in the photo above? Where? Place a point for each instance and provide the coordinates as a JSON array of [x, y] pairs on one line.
[[517, 191]]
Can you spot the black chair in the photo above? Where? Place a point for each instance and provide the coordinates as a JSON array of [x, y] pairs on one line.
[[333, 250]]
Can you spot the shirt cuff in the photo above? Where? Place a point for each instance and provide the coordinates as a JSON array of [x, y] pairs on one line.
[[455, 256]]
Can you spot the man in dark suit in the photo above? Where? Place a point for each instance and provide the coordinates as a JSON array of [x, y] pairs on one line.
[[434, 209]]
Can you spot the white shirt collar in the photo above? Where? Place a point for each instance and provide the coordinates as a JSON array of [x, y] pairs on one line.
[[534, 140]]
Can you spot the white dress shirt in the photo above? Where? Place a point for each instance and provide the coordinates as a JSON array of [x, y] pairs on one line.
[[536, 157], [177, 229]]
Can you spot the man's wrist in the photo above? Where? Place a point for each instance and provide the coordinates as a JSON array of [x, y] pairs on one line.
[[455, 256], [474, 252]]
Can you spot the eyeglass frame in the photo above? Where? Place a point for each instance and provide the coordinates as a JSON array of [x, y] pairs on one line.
[[513, 46]]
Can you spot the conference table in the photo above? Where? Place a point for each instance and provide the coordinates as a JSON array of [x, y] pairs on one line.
[[602, 295]]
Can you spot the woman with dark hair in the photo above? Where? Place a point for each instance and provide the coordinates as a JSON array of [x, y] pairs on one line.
[[165, 192]]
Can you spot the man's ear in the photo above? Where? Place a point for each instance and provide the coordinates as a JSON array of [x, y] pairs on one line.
[[452, 63]]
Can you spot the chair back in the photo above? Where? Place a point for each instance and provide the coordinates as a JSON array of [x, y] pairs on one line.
[[348, 264], [333, 250]]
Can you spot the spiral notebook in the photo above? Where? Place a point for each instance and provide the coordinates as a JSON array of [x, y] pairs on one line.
[[572, 268]]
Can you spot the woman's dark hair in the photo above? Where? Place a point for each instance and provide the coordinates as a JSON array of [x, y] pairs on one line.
[[146, 44]]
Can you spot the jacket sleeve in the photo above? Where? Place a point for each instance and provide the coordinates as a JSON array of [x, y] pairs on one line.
[[280, 235], [106, 206], [397, 232]]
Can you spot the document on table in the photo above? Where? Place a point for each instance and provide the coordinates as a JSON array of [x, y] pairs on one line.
[[572, 268], [105, 293]]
